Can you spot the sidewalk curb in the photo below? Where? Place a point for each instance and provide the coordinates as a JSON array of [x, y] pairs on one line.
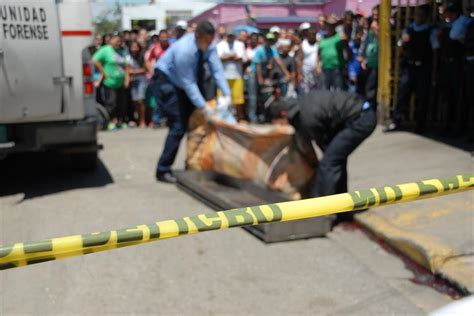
[[429, 252]]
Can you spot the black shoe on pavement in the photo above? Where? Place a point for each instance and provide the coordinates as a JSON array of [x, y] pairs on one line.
[[166, 177]]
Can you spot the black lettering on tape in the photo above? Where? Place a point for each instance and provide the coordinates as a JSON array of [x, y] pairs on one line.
[[451, 183], [127, 235], [202, 226], [38, 246], [238, 217], [276, 214], [468, 178], [382, 195], [5, 251], [426, 188], [363, 198], [95, 239], [182, 226], [154, 231], [398, 192]]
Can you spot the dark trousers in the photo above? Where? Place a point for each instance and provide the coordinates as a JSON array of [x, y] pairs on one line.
[[115, 101], [177, 108], [451, 91], [333, 78], [331, 174], [469, 99], [414, 79], [370, 89]]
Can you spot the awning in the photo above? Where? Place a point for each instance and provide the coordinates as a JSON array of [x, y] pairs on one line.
[[287, 21]]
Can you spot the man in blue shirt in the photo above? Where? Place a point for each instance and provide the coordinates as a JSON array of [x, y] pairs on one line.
[[266, 56], [178, 87]]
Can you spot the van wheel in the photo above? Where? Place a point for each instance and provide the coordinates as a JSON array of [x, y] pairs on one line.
[[85, 161], [103, 117]]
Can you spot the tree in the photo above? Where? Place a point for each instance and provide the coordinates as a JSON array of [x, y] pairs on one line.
[[109, 20]]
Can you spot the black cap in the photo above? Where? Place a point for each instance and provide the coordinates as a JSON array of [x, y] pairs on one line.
[[454, 7]]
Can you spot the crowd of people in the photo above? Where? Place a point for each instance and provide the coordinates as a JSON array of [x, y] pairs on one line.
[[336, 54], [339, 53]]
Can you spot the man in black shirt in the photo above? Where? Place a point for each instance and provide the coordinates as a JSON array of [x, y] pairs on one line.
[[338, 121]]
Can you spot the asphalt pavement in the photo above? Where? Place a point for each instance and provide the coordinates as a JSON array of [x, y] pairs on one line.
[[213, 273]]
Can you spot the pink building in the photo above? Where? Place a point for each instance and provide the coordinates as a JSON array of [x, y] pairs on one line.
[[265, 15]]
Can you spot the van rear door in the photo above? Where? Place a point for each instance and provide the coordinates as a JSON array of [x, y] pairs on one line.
[[31, 74]]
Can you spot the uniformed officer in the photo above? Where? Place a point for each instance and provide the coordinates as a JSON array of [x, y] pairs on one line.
[[338, 121], [418, 42], [178, 87]]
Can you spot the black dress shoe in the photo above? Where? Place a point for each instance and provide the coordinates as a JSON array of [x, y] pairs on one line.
[[166, 177]]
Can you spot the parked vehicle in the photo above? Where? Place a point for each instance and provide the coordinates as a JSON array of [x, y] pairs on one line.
[[46, 79]]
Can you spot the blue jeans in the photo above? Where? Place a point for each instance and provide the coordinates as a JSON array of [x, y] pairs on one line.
[[177, 108]]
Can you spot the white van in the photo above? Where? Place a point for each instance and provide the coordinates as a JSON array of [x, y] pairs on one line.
[[47, 97]]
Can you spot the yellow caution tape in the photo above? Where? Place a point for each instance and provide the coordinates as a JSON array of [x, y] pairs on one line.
[[22, 254]]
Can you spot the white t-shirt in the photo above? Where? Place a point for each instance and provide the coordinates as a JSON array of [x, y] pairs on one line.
[[232, 69], [310, 53]]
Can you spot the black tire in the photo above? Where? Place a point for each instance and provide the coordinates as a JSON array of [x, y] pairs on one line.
[[103, 117], [87, 161]]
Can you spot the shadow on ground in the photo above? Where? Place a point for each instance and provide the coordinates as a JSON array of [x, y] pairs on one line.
[[39, 174], [462, 142]]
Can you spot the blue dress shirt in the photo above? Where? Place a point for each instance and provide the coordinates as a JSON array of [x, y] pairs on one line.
[[423, 27], [180, 65], [459, 28]]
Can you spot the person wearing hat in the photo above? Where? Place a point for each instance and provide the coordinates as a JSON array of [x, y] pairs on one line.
[[284, 49], [331, 59], [338, 122], [306, 62], [179, 30], [303, 28], [232, 54], [276, 31], [111, 62], [178, 85], [265, 57]]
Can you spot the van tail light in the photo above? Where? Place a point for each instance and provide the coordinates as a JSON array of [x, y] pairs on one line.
[[88, 88], [87, 74]]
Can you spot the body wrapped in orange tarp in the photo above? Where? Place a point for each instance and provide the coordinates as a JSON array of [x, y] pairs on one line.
[[269, 155]]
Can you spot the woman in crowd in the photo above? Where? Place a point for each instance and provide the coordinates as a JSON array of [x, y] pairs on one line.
[[110, 61], [138, 80]]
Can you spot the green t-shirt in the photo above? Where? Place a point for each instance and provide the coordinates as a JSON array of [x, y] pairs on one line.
[[372, 51], [113, 61], [331, 52]]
